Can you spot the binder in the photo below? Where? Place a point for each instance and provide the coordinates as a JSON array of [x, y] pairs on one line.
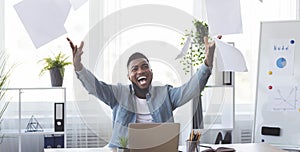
[[59, 122]]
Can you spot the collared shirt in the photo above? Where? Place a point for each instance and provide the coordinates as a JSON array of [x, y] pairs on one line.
[[161, 100]]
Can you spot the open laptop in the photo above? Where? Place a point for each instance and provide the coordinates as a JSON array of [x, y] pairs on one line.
[[153, 137]]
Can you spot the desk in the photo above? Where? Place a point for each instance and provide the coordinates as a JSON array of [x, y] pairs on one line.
[[251, 147], [80, 150]]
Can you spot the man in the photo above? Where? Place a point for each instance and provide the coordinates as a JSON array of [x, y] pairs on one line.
[[140, 102]]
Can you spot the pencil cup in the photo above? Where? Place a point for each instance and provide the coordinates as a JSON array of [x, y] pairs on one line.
[[192, 146]]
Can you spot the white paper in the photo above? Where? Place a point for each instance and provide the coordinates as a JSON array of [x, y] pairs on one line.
[[77, 3], [224, 17], [184, 48], [43, 19], [229, 58]]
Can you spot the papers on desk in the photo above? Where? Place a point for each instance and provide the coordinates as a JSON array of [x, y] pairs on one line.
[[212, 148], [43, 19], [219, 149]]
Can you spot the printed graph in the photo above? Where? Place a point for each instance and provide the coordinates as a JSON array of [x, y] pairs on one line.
[[285, 99]]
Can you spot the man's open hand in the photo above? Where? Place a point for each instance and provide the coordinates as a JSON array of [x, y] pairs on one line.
[[77, 52]]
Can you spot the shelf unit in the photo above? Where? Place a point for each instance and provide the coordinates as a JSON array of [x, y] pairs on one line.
[[25, 104], [218, 105]]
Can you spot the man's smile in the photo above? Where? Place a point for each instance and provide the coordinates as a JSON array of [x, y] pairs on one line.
[[142, 80]]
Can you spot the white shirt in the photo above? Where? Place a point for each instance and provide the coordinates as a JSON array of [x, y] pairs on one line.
[[142, 111]]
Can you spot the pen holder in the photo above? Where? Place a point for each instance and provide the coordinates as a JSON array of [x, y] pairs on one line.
[[192, 146]]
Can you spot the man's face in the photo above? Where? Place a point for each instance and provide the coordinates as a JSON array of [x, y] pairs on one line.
[[139, 73]]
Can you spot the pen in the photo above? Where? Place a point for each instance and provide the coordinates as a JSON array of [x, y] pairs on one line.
[[199, 136], [191, 135], [194, 136]]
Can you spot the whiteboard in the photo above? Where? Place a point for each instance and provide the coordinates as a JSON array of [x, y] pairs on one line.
[[278, 79]]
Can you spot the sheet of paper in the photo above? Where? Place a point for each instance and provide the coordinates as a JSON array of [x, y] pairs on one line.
[[229, 58], [77, 3], [224, 17], [43, 19], [184, 48]]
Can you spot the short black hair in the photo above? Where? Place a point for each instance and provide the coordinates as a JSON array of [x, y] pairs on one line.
[[136, 55]]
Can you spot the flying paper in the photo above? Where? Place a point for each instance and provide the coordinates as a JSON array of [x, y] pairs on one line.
[[77, 3], [184, 48], [224, 17], [43, 19], [229, 58]]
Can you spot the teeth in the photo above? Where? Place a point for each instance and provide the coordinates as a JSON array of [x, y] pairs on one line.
[[142, 77], [143, 82]]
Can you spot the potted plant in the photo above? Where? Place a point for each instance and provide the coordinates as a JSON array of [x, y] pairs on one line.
[[123, 141], [195, 55], [56, 66]]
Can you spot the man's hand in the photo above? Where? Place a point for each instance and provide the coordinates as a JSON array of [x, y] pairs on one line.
[[77, 52], [209, 51]]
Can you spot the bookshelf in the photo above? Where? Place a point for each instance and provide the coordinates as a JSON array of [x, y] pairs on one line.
[[29, 118]]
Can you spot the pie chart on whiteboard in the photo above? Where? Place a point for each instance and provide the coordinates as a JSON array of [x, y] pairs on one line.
[[281, 62]]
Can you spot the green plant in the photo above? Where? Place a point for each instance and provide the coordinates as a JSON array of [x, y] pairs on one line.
[[58, 61], [195, 55], [4, 76], [123, 141]]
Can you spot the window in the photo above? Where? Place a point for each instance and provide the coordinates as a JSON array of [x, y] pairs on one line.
[[22, 52], [253, 12], [145, 35]]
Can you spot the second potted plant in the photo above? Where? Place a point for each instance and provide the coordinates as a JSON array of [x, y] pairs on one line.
[[123, 141], [56, 66]]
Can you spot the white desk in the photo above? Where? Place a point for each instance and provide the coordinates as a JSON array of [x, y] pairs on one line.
[[80, 150], [251, 147]]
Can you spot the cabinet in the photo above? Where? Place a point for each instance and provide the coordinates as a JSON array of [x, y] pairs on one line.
[[30, 117]]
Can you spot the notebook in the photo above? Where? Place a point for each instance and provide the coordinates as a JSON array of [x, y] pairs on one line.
[[153, 137]]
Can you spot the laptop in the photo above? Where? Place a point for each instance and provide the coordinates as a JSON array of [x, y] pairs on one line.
[[153, 137]]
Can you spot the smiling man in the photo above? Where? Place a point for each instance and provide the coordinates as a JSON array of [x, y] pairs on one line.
[[140, 102], [139, 73]]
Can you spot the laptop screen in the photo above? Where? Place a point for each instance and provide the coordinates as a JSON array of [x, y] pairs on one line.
[[146, 137]]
